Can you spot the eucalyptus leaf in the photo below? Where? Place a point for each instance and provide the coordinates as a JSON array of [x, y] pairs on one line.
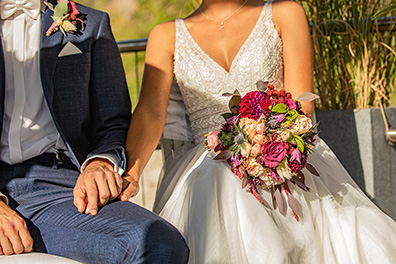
[[299, 180], [279, 201], [61, 9], [273, 200], [234, 101], [312, 169], [236, 92], [293, 204], [262, 86], [224, 155], [307, 97], [244, 180]]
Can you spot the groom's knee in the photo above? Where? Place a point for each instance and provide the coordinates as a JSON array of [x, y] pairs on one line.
[[158, 242]]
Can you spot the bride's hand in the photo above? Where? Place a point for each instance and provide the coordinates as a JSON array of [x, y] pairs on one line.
[[130, 187]]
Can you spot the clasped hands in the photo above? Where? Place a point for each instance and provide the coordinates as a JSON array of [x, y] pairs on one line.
[[99, 183], [96, 185]]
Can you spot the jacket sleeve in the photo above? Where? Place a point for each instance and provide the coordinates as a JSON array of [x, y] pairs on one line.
[[109, 97]]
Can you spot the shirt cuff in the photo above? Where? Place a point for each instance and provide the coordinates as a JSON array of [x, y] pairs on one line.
[[4, 198], [110, 157]]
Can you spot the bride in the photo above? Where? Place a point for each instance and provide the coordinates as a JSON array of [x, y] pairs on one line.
[[232, 44]]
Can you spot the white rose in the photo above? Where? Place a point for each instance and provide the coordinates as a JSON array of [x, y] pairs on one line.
[[284, 171], [254, 169], [301, 125]]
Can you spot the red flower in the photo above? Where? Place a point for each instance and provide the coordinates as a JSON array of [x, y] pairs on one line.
[[250, 105], [296, 166], [72, 8]]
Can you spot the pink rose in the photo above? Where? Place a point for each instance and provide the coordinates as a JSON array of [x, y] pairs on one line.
[[273, 153], [213, 139]]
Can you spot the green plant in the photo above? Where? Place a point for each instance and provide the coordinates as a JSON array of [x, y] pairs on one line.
[[353, 56]]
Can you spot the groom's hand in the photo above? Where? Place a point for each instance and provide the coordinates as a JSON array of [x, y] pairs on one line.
[[96, 185], [14, 235]]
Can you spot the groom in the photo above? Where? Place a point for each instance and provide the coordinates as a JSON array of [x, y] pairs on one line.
[[64, 115]]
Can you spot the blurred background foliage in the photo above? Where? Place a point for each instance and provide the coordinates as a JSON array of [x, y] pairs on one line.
[[354, 58]]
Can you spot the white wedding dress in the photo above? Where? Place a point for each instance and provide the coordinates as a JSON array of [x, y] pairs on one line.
[[223, 223]]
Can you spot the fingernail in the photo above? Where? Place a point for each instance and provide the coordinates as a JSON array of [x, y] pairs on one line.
[[87, 210], [93, 212], [124, 197]]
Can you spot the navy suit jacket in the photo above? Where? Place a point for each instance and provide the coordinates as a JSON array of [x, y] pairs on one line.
[[86, 93]]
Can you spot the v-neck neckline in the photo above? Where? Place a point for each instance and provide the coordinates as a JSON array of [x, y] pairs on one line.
[[240, 51]]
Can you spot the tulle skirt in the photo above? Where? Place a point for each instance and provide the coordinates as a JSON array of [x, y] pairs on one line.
[[223, 223]]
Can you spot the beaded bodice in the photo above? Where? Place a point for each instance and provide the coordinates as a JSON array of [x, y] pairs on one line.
[[202, 81]]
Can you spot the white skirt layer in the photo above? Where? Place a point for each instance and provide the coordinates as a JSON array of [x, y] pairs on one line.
[[223, 223]]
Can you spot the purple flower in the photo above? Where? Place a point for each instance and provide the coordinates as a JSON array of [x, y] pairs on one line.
[[279, 118], [274, 175], [276, 120], [295, 156], [273, 153], [236, 160], [232, 120]]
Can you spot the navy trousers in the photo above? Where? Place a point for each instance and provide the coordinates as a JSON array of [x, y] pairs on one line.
[[121, 232]]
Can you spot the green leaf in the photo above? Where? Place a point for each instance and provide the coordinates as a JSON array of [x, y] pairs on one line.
[[61, 9], [280, 108], [300, 143], [291, 138], [227, 115], [293, 115]]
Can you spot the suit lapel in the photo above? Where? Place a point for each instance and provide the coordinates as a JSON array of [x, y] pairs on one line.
[[2, 84], [49, 50]]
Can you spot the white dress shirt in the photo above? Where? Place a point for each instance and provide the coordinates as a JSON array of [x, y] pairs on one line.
[[28, 128]]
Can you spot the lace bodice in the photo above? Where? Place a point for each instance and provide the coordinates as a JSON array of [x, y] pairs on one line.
[[202, 81]]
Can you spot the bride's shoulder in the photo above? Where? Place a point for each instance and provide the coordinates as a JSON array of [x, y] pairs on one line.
[[288, 15], [163, 35], [164, 30]]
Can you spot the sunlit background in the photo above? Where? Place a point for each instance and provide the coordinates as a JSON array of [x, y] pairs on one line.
[[353, 56]]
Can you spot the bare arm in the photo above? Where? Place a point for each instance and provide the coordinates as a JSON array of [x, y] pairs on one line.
[[148, 119], [291, 22]]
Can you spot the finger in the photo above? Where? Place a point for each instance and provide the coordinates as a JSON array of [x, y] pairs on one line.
[[119, 183], [80, 197], [27, 240], [130, 190], [1, 250], [92, 197], [115, 185], [103, 185], [13, 235], [6, 245]]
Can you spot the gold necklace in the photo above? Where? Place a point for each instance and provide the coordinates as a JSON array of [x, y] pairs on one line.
[[221, 21]]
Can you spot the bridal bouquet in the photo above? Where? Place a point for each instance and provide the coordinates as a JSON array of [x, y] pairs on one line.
[[266, 139]]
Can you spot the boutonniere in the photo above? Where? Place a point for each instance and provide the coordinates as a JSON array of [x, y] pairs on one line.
[[66, 17]]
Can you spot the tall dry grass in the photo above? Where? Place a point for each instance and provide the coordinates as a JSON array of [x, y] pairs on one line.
[[354, 58]]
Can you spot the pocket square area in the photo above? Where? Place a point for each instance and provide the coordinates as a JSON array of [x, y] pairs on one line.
[[69, 49]]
